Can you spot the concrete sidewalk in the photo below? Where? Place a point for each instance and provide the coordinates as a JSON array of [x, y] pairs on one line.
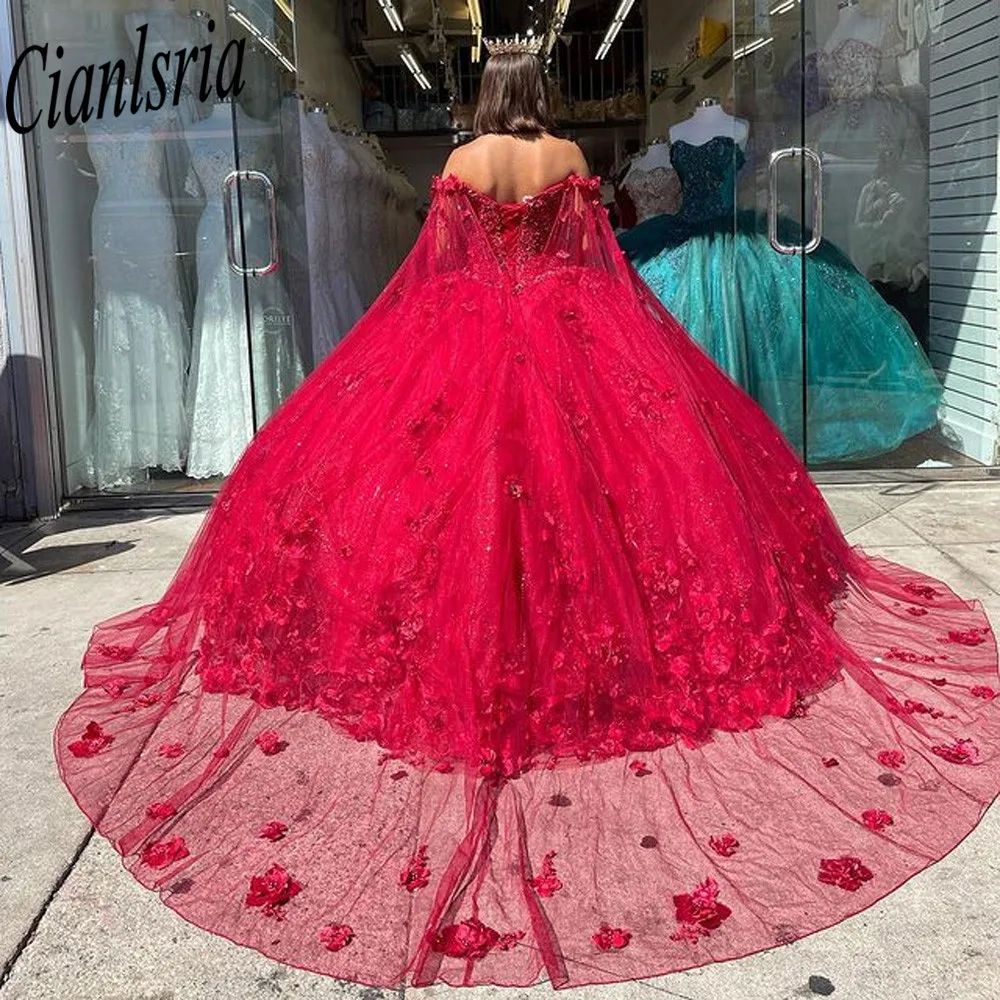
[[75, 926]]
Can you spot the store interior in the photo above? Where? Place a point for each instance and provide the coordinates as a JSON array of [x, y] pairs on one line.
[[201, 258]]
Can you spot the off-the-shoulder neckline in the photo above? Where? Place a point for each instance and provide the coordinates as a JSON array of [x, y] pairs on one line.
[[571, 180]]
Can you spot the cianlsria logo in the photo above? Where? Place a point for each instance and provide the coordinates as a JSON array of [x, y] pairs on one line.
[[113, 89]]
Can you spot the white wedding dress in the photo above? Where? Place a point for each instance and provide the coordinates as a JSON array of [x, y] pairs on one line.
[[141, 339], [226, 403]]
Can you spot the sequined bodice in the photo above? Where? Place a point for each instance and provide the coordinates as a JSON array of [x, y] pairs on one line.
[[849, 73], [708, 176], [128, 168]]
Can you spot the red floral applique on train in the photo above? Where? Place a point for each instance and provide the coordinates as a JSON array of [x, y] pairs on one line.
[[417, 872], [846, 873], [272, 890], [92, 742], [639, 769], [699, 912], [983, 691], [160, 810], [274, 830], [876, 819], [724, 845], [610, 938], [336, 936], [892, 758], [970, 637], [547, 882], [473, 940], [959, 752], [165, 852], [171, 750], [270, 742]]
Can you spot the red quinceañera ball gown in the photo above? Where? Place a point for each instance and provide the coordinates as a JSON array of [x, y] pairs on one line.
[[520, 645]]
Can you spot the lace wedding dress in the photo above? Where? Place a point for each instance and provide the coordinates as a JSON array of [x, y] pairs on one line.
[[141, 338]]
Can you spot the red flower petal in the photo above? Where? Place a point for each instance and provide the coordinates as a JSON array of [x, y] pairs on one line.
[[272, 890], [471, 939]]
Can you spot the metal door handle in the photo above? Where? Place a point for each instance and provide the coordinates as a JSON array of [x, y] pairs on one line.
[[272, 210], [817, 200], [772, 199], [813, 157]]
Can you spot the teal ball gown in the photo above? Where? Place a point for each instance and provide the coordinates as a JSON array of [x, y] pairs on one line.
[[869, 384]]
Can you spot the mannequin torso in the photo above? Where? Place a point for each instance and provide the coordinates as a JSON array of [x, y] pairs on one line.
[[707, 122]]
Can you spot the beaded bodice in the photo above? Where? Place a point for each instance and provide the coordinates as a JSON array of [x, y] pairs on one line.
[[518, 232], [708, 176]]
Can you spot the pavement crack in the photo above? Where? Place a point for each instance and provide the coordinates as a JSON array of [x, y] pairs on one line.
[[29, 934]]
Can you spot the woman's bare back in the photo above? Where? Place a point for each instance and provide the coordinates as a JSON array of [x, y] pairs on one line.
[[509, 168]]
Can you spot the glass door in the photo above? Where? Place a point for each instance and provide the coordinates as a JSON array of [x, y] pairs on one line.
[[778, 209], [900, 298]]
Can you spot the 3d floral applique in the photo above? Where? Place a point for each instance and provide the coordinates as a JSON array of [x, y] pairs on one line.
[[271, 891], [547, 883], [171, 750], [969, 637], [273, 830], [639, 769], [831, 762], [417, 872], [336, 936], [916, 612], [92, 742], [724, 845], [610, 938], [894, 759], [699, 912], [983, 691], [939, 681], [908, 656], [163, 853], [845, 872], [959, 752], [921, 590], [472, 940], [876, 819], [270, 742], [160, 810]]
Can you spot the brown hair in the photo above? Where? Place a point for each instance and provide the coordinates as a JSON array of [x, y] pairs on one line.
[[513, 97]]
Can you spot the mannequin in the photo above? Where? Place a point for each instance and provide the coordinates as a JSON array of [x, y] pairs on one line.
[[141, 338], [650, 185], [855, 23], [710, 121], [223, 405], [168, 32]]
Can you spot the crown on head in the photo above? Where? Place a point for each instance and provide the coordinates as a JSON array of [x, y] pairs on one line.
[[513, 46]]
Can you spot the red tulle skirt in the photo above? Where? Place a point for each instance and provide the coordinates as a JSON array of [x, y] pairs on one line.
[[520, 645]]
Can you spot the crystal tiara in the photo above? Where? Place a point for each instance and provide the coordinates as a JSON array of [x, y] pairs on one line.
[[513, 46]]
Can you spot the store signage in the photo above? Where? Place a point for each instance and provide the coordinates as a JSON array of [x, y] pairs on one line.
[[918, 17], [87, 94]]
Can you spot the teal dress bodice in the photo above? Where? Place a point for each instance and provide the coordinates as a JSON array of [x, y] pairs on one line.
[[869, 384]]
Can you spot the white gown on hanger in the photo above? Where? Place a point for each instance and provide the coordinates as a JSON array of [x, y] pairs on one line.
[[141, 339], [221, 400]]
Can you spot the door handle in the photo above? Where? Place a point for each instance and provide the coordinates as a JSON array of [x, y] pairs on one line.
[[232, 251], [812, 157]]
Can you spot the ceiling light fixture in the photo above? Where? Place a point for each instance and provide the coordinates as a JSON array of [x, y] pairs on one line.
[[476, 17], [750, 47], [410, 61], [624, 9], [391, 14]]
